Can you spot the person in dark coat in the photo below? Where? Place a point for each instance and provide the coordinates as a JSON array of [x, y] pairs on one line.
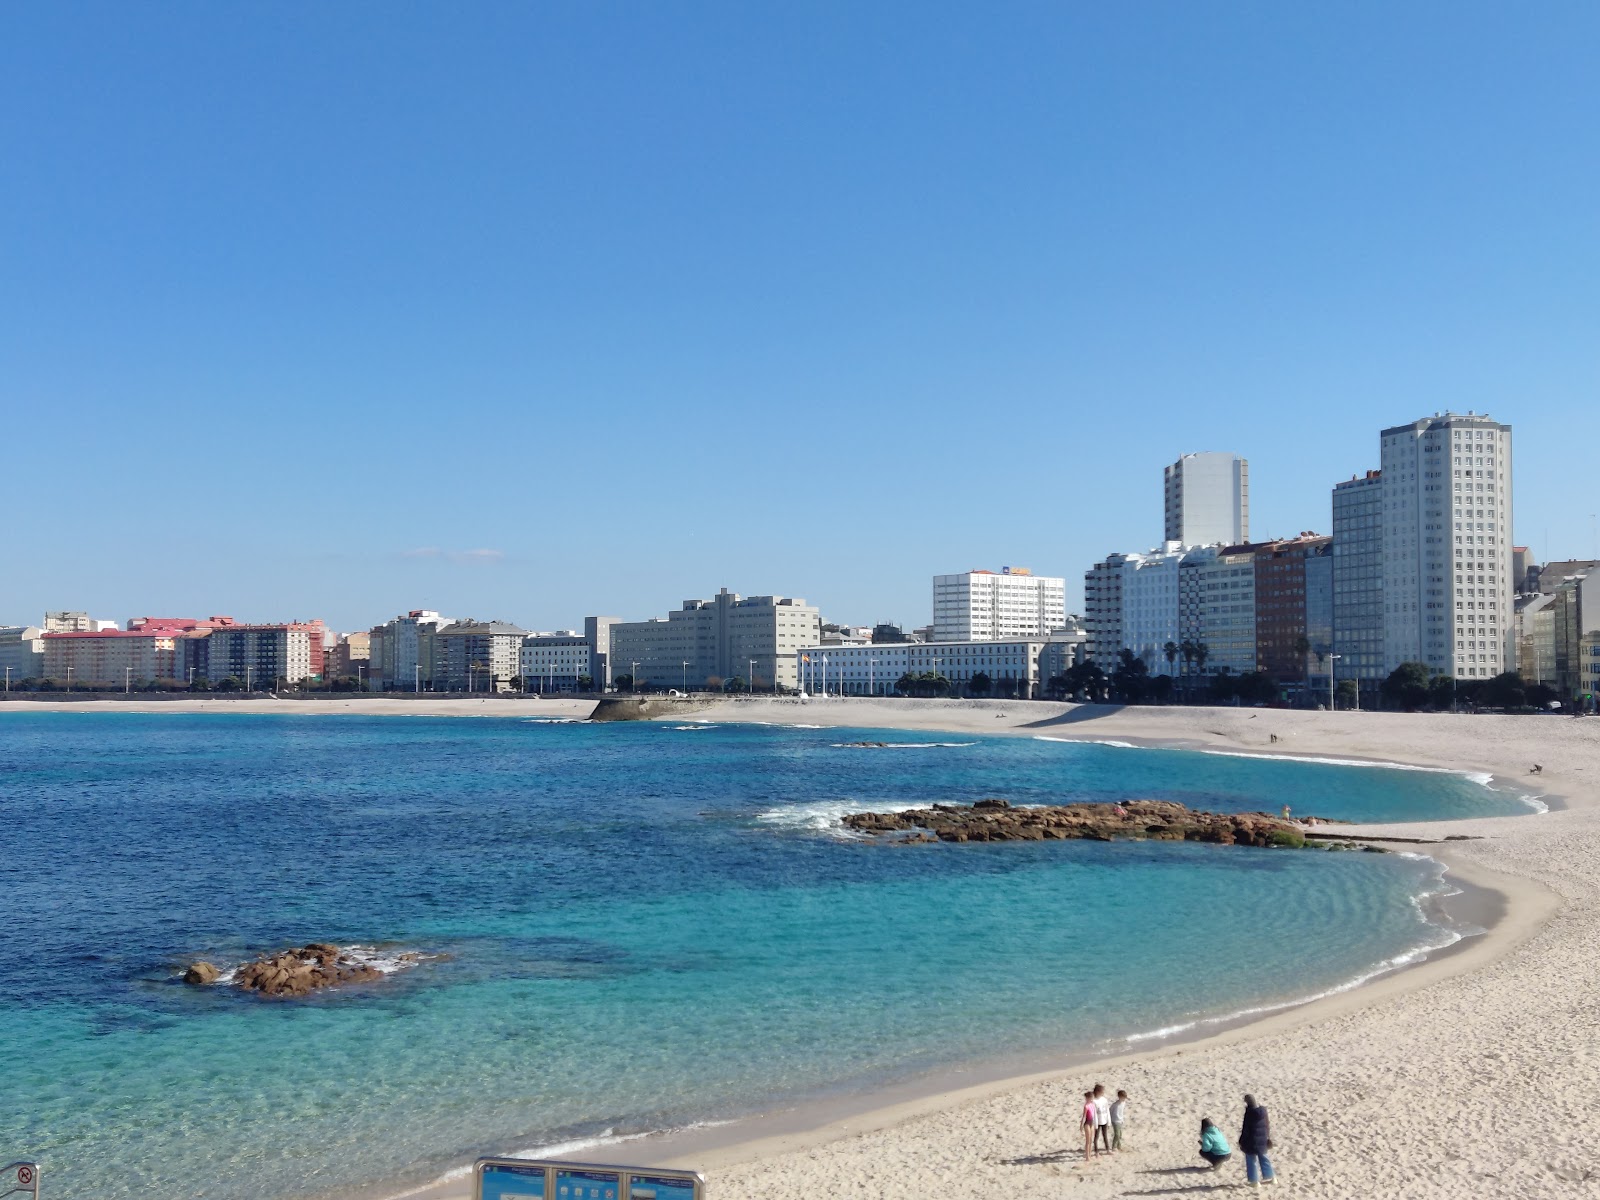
[[1255, 1139]]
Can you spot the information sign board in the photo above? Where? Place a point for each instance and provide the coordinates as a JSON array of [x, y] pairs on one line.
[[555, 1179]]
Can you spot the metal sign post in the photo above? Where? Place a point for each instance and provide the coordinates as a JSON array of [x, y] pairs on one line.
[[553, 1179], [20, 1178]]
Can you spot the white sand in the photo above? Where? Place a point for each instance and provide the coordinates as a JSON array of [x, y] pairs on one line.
[[1477, 1075], [1474, 1075]]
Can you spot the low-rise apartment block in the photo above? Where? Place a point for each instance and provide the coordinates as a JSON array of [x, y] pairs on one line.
[[706, 643], [1011, 666]]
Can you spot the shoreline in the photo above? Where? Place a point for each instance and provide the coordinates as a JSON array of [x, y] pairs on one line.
[[1443, 1039], [1510, 908]]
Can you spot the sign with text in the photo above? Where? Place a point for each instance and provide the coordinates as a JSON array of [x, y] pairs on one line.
[[553, 1179]]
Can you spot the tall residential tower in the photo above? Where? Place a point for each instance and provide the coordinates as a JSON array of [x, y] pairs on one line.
[[1447, 562], [1208, 500]]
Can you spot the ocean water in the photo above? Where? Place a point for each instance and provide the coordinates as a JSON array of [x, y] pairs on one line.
[[640, 927]]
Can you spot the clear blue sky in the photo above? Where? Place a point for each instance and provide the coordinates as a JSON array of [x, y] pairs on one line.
[[303, 305]]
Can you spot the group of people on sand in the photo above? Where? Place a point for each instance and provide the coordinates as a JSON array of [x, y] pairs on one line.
[[1103, 1121], [1255, 1139]]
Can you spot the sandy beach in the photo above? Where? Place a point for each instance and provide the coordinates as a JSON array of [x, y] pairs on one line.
[[1473, 1074]]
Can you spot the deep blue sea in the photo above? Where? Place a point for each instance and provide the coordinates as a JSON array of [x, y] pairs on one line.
[[643, 926]]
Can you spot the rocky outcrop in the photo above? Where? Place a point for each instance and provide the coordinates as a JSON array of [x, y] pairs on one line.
[[299, 972], [201, 973], [1154, 820], [293, 972]]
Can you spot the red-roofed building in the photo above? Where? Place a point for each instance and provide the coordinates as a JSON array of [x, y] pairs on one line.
[[147, 651]]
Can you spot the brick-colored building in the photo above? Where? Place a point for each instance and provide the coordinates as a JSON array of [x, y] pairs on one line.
[[1294, 605]]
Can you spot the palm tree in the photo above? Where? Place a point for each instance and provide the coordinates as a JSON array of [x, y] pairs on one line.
[[1171, 651], [1201, 653]]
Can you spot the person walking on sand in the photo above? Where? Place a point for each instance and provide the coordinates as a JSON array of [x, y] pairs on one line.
[[1213, 1146], [1102, 1117], [1087, 1122], [1119, 1118], [1255, 1139]]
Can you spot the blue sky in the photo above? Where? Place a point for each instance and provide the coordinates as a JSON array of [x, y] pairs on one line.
[[529, 311]]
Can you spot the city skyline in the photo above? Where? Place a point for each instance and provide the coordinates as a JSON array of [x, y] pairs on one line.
[[534, 314]]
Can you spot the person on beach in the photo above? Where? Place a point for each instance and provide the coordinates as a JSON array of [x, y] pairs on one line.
[[1119, 1118], [1255, 1139], [1088, 1123], [1213, 1146], [1102, 1117]]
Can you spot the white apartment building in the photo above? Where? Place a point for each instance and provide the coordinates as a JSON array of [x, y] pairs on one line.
[[401, 651], [989, 605], [705, 643], [1447, 561], [1150, 606], [1012, 666], [1358, 620], [555, 662], [21, 653], [1208, 500]]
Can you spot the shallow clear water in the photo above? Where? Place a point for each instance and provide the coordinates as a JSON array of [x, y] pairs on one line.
[[646, 926]]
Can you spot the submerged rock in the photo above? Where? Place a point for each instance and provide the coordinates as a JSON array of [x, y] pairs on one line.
[[1156, 820]]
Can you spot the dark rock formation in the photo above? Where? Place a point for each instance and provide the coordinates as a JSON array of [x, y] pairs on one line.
[[1155, 820], [201, 973], [294, 972]]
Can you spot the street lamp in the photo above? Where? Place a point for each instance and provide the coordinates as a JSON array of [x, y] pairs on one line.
[[127, 680], [416, 677], [247, 687], [191, 679], [8, 681], [686, 677], [361, 682], [635, 676], [1332, 658], [750, 683], [69, 679]]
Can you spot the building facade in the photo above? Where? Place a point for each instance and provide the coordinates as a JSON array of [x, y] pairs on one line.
[[1150, 607], [1358, 580], [1447, 539], [148, 651], [1217, 610], [262, 656], [1102, 609], [990, 605], [556, 662], [1293, 624], [476, 656], [705, 643], [1012, 666], [400, 653], [21, 652], [1208, 500], [349, 658]]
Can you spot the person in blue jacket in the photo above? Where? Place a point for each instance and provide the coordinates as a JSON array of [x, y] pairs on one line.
[[1255, 1139], [1213, 1146]]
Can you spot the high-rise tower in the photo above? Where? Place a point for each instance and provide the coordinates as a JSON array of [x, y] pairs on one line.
[[1208, 500], [1447, 552]]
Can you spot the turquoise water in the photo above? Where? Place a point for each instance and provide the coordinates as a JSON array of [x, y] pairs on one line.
[[644, 927]]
